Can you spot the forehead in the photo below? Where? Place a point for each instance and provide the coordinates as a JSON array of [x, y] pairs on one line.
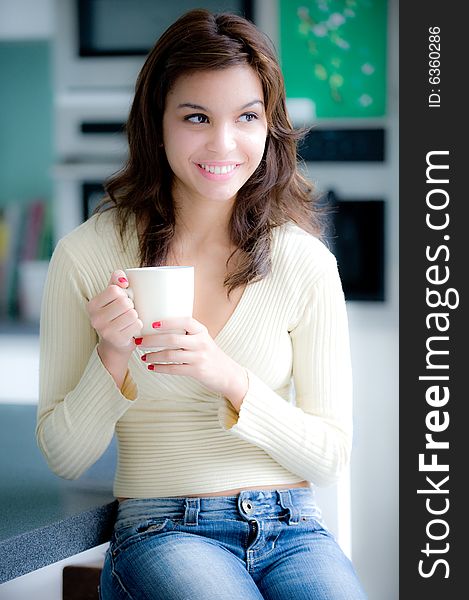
[[230, 86]]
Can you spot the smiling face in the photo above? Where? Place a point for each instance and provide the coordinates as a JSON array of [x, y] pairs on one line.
[[214, 132]]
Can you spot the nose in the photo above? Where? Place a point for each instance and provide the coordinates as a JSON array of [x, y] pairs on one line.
[[222, 139]]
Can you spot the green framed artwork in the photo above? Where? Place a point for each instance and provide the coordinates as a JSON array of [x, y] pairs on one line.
[[333, 55]]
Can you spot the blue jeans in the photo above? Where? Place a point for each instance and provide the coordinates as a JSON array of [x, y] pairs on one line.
[[258, 545]]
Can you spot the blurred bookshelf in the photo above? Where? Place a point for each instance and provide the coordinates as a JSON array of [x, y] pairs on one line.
[[26, 244]]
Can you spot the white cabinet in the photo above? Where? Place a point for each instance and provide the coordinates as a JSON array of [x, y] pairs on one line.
[[46, 583]]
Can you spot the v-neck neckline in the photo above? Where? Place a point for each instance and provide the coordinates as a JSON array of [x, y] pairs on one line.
[[235, 315]]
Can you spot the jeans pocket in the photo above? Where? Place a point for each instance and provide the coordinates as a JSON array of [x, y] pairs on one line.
[[151, 525], [139, 531]]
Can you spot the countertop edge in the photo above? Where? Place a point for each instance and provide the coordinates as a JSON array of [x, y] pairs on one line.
[[41, 547]]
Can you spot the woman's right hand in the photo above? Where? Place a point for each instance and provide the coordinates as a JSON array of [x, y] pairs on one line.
[[113, 316]]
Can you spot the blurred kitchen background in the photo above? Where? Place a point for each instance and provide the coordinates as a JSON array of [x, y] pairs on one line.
[[67, 70]]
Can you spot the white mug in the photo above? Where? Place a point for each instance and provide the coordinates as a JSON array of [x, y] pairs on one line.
[[159, 293]]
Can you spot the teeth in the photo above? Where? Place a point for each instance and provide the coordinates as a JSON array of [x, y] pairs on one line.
[[218, 170]]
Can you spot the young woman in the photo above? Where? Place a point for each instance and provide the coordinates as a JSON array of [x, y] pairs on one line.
[[218, 454]]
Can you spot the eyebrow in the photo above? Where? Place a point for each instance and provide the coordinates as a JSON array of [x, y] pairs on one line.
[[199, 107]]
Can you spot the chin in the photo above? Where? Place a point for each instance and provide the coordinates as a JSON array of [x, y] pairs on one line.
[[221, 197]]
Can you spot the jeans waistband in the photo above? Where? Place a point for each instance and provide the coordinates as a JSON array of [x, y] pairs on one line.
[[248, 504]]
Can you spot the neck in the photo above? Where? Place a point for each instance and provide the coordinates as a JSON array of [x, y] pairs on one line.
[[202, 222]]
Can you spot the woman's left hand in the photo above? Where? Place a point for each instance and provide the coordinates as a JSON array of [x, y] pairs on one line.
[[197, 355]]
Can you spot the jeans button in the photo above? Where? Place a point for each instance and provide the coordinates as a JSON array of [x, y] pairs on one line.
[[247, 506]]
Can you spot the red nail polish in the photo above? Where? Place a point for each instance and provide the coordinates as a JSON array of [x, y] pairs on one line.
[[122, 280], [144, 357], [138, 341], [151, 367], [156, 324]]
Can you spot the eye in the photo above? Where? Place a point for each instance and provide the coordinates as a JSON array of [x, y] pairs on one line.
[[197, 119], [248, 117]]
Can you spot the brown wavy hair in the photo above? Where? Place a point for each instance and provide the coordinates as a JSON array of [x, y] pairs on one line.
[[274, 194]]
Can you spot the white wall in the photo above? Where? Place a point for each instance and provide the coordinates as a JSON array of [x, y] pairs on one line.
[[19, 368], [25, 19]]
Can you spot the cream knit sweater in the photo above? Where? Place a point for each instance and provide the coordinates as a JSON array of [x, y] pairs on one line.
[[175, 437]]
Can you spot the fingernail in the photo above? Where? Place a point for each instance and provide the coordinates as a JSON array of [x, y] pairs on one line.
[[138, 341], [156, 324], [144, 357], [122, 280], [151, 367]]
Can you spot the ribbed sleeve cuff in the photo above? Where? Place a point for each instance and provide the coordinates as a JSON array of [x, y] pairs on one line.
[[311, 447], [98, 396], [80, 429], [260, 414]]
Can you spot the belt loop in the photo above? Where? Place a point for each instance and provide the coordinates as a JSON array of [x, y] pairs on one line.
[[285, 501], [191, 515]]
